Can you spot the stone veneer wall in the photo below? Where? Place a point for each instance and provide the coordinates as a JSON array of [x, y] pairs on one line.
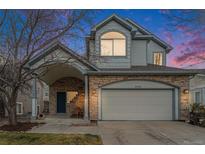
[[64, 85], [95, 82]]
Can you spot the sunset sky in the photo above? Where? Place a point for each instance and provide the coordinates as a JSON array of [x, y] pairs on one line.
[[187, 45]]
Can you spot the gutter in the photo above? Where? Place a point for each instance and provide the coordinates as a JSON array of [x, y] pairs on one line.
[[187, 73]]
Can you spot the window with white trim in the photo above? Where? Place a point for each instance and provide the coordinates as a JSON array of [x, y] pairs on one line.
[[113, 44], [158, 56], [19, 108]]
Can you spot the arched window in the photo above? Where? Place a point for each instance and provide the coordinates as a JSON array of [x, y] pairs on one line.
[[113, 44]]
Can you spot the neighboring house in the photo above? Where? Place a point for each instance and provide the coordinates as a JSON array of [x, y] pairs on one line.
[[23, 104], [197, 89], [197, 85], [123, 77]]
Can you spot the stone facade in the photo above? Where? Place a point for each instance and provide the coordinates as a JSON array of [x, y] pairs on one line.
[[96, 82], [64, 85]]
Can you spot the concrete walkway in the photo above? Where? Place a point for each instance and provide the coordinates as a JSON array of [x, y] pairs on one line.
[[129, 132], [64, 126]]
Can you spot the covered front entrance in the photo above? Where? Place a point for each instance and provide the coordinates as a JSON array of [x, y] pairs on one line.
[[67, 95], [66, 74]]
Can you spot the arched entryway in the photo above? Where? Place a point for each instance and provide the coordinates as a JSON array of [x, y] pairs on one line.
[[62, 65], [67, 95], [67, 90]]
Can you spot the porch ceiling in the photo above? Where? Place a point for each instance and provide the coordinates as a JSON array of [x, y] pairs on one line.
[[58, 71]]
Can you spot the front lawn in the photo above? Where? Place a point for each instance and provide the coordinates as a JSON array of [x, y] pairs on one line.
[[20, 138]]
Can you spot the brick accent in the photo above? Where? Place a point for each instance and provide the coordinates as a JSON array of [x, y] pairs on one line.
[[64, 85], [95, 82]]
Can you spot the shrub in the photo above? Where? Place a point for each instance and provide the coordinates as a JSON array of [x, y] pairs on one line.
[[197, 114]]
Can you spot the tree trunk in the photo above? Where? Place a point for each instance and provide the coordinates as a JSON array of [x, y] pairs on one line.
[[12, 116], [12, 108], [2, 109]]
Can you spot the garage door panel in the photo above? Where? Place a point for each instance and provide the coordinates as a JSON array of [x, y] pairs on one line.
[[139, 117], [136, 105]]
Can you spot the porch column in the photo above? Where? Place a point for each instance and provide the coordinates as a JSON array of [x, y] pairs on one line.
[[86, 99], [34, 99]]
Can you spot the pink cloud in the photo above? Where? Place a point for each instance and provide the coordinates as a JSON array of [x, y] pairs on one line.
[[192, 56], [168, 37], [182, 28], [189, 52], [188, 59]]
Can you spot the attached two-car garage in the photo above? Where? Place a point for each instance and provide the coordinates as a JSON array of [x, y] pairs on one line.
[[138, 100]]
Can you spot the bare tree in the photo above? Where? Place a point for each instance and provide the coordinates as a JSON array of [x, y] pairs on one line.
[[23, 34]]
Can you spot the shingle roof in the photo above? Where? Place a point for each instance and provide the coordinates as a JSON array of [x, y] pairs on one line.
[[148, 69], [58, 45]]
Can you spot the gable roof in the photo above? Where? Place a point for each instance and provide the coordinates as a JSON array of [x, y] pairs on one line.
[[58, 45], [139, 27], [115, 18], [130, 25]]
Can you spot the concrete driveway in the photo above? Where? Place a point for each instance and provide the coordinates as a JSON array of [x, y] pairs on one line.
[[150, 132], [130, 132]]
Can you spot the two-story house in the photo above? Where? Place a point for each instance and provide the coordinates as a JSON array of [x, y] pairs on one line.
[[123, 76]]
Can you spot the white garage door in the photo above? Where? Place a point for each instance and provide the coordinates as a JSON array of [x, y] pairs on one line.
[[136, 105]]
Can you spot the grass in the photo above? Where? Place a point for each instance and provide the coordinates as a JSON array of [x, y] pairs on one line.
[[21, 138]]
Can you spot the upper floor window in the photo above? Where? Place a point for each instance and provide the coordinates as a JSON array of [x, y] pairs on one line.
[[113, 44], [158, 58]]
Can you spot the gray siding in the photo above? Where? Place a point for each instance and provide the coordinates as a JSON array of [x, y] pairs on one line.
[[154, 47], [138, 52], [25, 98], [197, 84]]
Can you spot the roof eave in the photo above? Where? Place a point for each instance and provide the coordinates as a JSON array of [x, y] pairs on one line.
[[167, 47], [58, 45], [187, 73], [112, 17]]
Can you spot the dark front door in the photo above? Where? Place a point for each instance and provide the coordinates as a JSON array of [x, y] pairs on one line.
[[61, 102]]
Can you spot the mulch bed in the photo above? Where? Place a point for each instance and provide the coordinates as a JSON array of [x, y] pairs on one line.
[[21, 126]]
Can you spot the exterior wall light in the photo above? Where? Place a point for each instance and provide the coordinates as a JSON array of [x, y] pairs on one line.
[[186, 91]]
